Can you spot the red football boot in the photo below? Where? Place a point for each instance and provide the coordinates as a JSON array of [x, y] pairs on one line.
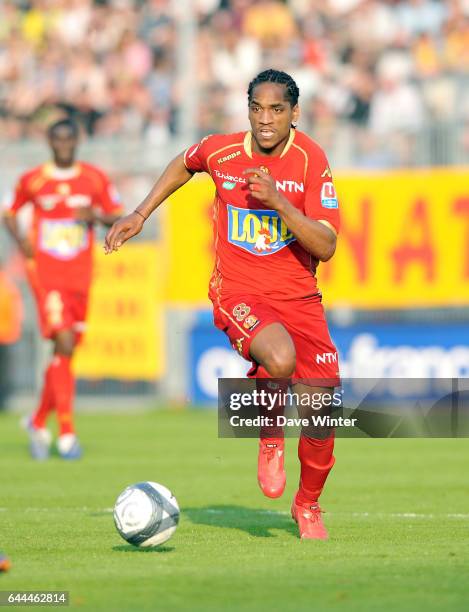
[[308, 517], [270, 466]]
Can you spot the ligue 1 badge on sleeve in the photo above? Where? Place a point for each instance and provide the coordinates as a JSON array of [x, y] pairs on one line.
[[328, 196]]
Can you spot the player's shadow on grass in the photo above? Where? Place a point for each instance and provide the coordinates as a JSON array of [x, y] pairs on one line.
[[256, 522], [150, 550]]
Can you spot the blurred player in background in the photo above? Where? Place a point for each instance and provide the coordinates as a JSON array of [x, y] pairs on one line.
[[276, 216], [11, 314], [68, 198]]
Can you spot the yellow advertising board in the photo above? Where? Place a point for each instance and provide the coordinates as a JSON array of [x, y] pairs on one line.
[[404, 241], [125, 330], [188, 242]]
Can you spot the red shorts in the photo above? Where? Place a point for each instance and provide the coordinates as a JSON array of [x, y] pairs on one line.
[[58, 309], [242, 317]]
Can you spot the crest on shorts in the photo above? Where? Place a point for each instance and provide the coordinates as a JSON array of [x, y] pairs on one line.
[[260, 232], [251, 322], [241, 311]]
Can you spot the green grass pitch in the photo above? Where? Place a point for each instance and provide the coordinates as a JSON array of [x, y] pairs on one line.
[[397, 513]]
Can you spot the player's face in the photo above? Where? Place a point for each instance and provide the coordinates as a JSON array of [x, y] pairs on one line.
[[63, 143], [271, 116]]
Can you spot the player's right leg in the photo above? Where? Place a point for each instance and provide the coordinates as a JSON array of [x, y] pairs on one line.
[[58, 312], [274, 352], [40, 437], [256, 333]]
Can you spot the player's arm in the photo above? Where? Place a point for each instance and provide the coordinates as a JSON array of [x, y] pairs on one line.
[[316, 237], [174, 176], [20, 198], [23, 243]]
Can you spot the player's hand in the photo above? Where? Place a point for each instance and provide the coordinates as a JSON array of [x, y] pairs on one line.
[[26, 248], [87, 214], [262, 187], [121, 231]]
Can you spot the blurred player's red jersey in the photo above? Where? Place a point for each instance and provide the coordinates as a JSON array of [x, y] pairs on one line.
[[256, 254], [62, 244]]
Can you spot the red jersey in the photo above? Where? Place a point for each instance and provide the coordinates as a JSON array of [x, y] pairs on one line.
[[62, 244], [256, 254]]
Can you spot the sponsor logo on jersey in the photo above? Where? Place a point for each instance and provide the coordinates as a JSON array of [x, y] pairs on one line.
[[328, 196], [228, 185], [63, 238], [290, 186], [230, 180], [49, 201], [326, 358], [327, 173], [260, 232], [221, 160], [78, 200]]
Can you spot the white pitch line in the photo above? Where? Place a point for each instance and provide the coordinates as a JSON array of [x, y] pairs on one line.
[[404, 515], [411, 515]]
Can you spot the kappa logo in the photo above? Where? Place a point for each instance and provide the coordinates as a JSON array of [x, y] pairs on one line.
[[221, 160], [260, 232], [328, 196]]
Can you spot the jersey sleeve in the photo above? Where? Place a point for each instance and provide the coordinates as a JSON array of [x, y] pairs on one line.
[[13, 201], [106, 196], [195, 157], [321, 203]]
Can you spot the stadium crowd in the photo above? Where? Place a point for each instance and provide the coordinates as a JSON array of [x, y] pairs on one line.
[[389, 66]]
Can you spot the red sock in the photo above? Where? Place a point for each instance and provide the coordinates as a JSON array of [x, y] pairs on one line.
[[316, 460], [274, 385], [63, 384], [46, 404]]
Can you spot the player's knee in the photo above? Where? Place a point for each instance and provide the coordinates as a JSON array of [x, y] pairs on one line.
[[281, 362]]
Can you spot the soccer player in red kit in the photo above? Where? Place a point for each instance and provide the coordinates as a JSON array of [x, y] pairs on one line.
[[68, 199], [275, 217]]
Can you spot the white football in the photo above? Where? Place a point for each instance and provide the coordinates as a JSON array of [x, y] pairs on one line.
[[146, 514]]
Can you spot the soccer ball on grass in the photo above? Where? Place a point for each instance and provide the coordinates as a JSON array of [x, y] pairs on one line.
[[146, 514]]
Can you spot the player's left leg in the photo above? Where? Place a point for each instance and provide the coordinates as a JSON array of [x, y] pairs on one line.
[[316, 375], [315, 452], [63, 383]]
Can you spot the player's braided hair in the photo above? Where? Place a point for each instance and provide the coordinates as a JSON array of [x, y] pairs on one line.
[[68, 123], [292, 92]]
